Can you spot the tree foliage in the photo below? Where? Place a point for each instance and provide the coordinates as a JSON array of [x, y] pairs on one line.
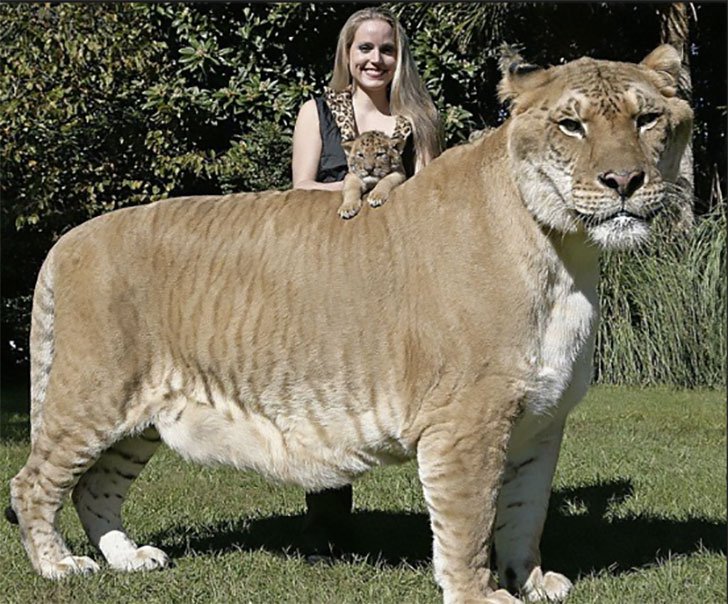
[[112, 104]]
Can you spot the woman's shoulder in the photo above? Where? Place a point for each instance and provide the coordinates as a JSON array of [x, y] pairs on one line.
[[308, 109]]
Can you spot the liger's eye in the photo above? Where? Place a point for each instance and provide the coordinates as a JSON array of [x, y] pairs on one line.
[[647, 120], [571, 127]]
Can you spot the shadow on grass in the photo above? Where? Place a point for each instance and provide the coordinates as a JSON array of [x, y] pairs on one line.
[[573, 545], [589, 542]]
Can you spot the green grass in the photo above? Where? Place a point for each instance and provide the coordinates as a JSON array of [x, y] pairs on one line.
[[664, 309], [637, 516]]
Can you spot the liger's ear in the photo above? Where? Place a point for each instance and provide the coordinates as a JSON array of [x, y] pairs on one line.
[[666, 60], [517, 75]]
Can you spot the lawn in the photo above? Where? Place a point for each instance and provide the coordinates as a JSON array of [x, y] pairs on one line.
[[638, 516]]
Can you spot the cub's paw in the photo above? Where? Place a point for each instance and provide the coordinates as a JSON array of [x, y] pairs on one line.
[[550, 587], [70, 565], [143, 558], [376, 199], [347, 211]]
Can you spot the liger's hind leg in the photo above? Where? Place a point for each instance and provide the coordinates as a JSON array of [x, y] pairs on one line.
[[56, 460], [100, 493], [62, 448]]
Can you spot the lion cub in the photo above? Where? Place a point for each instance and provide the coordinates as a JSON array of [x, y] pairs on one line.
[[374, 159]]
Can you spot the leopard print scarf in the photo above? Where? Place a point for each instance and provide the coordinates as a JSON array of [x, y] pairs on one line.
[[343, 111]]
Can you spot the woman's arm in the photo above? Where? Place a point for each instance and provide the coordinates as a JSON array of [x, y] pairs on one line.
[[307, 151]]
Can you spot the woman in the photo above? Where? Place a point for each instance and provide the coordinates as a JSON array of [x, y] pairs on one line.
[[374, 81], [375, 86]]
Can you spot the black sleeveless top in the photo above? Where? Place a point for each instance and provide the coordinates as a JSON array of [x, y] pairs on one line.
[[332, 164]]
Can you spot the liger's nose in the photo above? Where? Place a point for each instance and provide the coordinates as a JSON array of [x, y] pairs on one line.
[[625, 183]]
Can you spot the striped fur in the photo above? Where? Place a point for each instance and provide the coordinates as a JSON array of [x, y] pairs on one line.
[[41, 342], [261, 331]]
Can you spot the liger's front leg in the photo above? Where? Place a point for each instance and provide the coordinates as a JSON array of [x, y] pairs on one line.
[[522, 508], [461, 461]]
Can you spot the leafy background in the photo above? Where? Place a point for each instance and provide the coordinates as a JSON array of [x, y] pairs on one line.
[[114, 104]]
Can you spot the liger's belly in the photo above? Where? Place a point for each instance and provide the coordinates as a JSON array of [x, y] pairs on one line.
[[312, 447]]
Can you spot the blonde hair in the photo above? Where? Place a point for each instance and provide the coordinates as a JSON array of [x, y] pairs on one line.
[[408, 95]]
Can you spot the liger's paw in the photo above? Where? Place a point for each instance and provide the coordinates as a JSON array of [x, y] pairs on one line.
[[502, 596], [551, 587], [70, 565], [143, 558]]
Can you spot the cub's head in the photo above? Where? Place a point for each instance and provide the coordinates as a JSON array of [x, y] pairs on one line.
[[373, 155], [597, 144]]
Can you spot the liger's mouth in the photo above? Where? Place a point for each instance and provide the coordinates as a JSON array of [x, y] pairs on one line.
[[622, 215]]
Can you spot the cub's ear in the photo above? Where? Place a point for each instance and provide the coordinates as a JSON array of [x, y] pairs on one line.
[[666, 60], [517, 75], [397, 144], [347, 145]]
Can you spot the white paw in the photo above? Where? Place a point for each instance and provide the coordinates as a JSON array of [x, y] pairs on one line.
[[143, 558], [70, 565], [553, 587], [376, 200], [502, 596], [347, 213]]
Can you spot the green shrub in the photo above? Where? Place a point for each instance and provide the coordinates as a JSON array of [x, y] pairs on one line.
[[70, 102]]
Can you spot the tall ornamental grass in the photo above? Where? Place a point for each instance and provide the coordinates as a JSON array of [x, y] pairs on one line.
[[663, 310]]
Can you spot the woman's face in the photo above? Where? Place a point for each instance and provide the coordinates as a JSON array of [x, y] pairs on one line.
[[373, 55]]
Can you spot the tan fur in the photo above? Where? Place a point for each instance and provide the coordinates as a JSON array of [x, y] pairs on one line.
[[259, 330], [375, 162]]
